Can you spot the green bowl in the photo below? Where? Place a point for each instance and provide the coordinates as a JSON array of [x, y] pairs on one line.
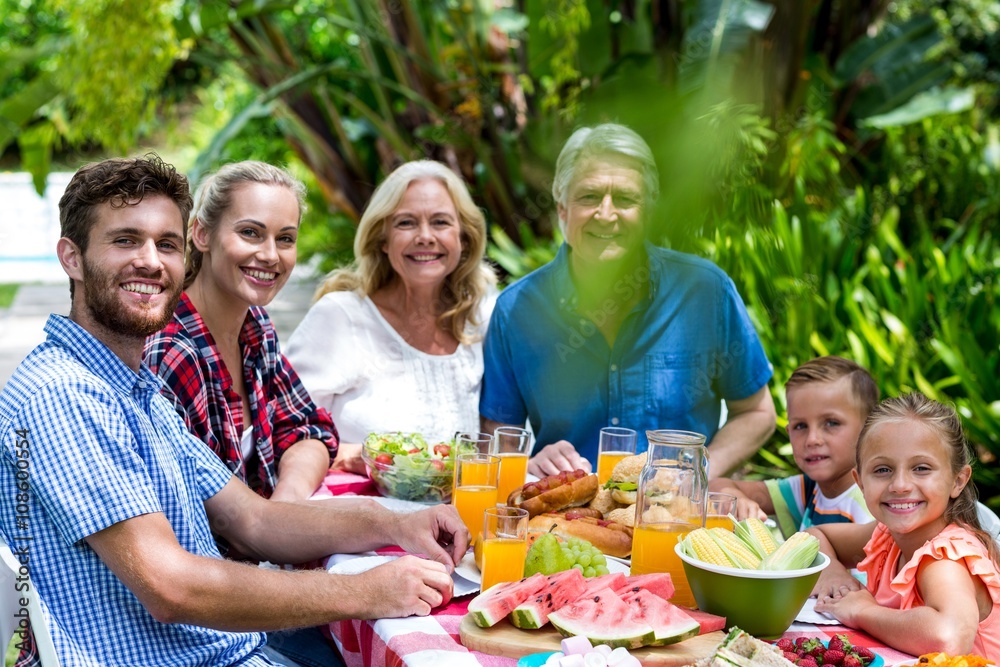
[[763, 603]]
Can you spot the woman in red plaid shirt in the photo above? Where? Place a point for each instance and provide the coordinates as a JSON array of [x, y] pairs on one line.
[[219, 356]]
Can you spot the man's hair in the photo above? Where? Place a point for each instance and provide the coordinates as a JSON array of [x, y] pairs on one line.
[[606, 141], [120, 182], [832, 368]]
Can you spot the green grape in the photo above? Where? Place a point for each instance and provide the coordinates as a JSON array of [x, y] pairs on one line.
[[599, 559], [589, 572], [584, 559], [601, 569], [578, 566]]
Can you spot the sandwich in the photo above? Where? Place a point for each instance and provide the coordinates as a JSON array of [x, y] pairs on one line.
[[624, 481], [739, 649]]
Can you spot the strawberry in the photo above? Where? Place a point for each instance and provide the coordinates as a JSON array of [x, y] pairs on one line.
[[785, 644], [791, 656], [864, 654], [832, 657], [840, 643], [807, 661], [851, 660]]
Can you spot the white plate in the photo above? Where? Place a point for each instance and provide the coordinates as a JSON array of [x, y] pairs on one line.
[[365, 563], [391, 504], [467, 568]]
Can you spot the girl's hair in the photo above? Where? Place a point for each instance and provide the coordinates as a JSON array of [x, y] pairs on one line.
[[946, 424], [215, 195], [464, 288]]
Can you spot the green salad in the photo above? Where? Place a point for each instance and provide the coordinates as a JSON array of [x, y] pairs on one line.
[[405, 466]]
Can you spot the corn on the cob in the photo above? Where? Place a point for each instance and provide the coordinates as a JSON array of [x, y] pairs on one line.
[[739, 555], [699, 544], [795, 553], [756, 535]]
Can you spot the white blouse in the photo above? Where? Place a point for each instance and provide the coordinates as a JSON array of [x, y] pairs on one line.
[[357, 366]]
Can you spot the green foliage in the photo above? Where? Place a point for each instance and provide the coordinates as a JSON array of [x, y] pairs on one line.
[[114, 96]]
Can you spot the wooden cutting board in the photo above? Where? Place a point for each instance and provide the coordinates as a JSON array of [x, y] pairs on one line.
[[505, 640]]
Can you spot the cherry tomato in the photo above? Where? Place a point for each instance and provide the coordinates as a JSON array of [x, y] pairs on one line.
[[437, 464], [384, 459], [415, 450], [442, 450]]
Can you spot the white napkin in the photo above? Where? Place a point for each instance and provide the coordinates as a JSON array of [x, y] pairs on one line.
[[356, 564], [808, 614]]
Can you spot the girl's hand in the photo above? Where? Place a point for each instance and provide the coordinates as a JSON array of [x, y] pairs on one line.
[[846, 604]]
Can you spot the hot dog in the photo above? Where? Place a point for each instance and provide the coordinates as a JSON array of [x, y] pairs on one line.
[[613, 539], [555, 492]]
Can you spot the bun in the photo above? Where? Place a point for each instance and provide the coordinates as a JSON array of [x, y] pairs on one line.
[[555, 492], [628, 469], [622, 515], [603, 502], [611, 538], [624, 497]]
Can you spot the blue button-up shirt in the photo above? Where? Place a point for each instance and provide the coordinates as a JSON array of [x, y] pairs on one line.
[[684, 348], [86, 443]]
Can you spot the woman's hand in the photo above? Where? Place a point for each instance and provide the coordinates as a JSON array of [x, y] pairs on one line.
[[555, 458], [349, 459]]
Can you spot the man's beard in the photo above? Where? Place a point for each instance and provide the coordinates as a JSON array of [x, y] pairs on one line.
[[112, 314]]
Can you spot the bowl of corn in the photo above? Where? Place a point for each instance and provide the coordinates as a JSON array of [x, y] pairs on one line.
[[749, 577]]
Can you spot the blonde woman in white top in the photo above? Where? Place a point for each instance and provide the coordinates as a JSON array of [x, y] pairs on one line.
[[394, 342]]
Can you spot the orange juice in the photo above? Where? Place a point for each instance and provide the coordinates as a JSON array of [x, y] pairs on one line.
[[606, 462], [719, 521], [475, 473], [503, 560], [471, 502], [513, 470], [653, 551]]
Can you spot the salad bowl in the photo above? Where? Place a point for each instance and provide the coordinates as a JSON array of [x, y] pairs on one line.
[[405, 466]]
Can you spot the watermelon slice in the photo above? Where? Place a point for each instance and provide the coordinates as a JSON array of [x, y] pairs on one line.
[[603, 619], [669, 622], [560, 588], [613, 581], [709, 622], [659, 585], [498, 600]]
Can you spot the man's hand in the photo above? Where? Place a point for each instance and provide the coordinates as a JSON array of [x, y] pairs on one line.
[[407, 586], [437, 533], [555, 458]]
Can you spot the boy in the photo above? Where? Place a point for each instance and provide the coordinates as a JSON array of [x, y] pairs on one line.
[[829, 399]]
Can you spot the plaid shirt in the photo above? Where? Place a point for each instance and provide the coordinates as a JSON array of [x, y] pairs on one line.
[[96, 444], [185, 356]]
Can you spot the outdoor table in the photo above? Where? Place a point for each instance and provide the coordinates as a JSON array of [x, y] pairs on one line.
[[431, 641]]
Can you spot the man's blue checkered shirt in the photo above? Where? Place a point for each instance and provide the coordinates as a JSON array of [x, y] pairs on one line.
[[102, 446]]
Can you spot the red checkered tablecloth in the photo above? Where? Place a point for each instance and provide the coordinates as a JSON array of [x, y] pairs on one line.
[[432, 641]]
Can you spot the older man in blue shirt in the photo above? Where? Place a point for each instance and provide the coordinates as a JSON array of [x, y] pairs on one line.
[[617, 331]]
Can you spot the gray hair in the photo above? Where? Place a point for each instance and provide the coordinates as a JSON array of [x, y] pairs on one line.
[[215, 195], [604, 141]]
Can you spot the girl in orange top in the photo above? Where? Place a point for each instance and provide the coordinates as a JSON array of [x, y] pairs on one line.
[[933, 574]]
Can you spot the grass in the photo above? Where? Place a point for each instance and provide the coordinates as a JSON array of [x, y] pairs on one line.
[[7, 294]]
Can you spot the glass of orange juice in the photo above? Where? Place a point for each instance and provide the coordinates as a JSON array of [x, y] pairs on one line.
[[505, 544], [476, 477], [717, 510], [671, 503], [467, 442], [614, 444], [513, 446]]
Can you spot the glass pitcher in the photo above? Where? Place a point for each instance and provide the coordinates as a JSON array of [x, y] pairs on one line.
[[673, 489]]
